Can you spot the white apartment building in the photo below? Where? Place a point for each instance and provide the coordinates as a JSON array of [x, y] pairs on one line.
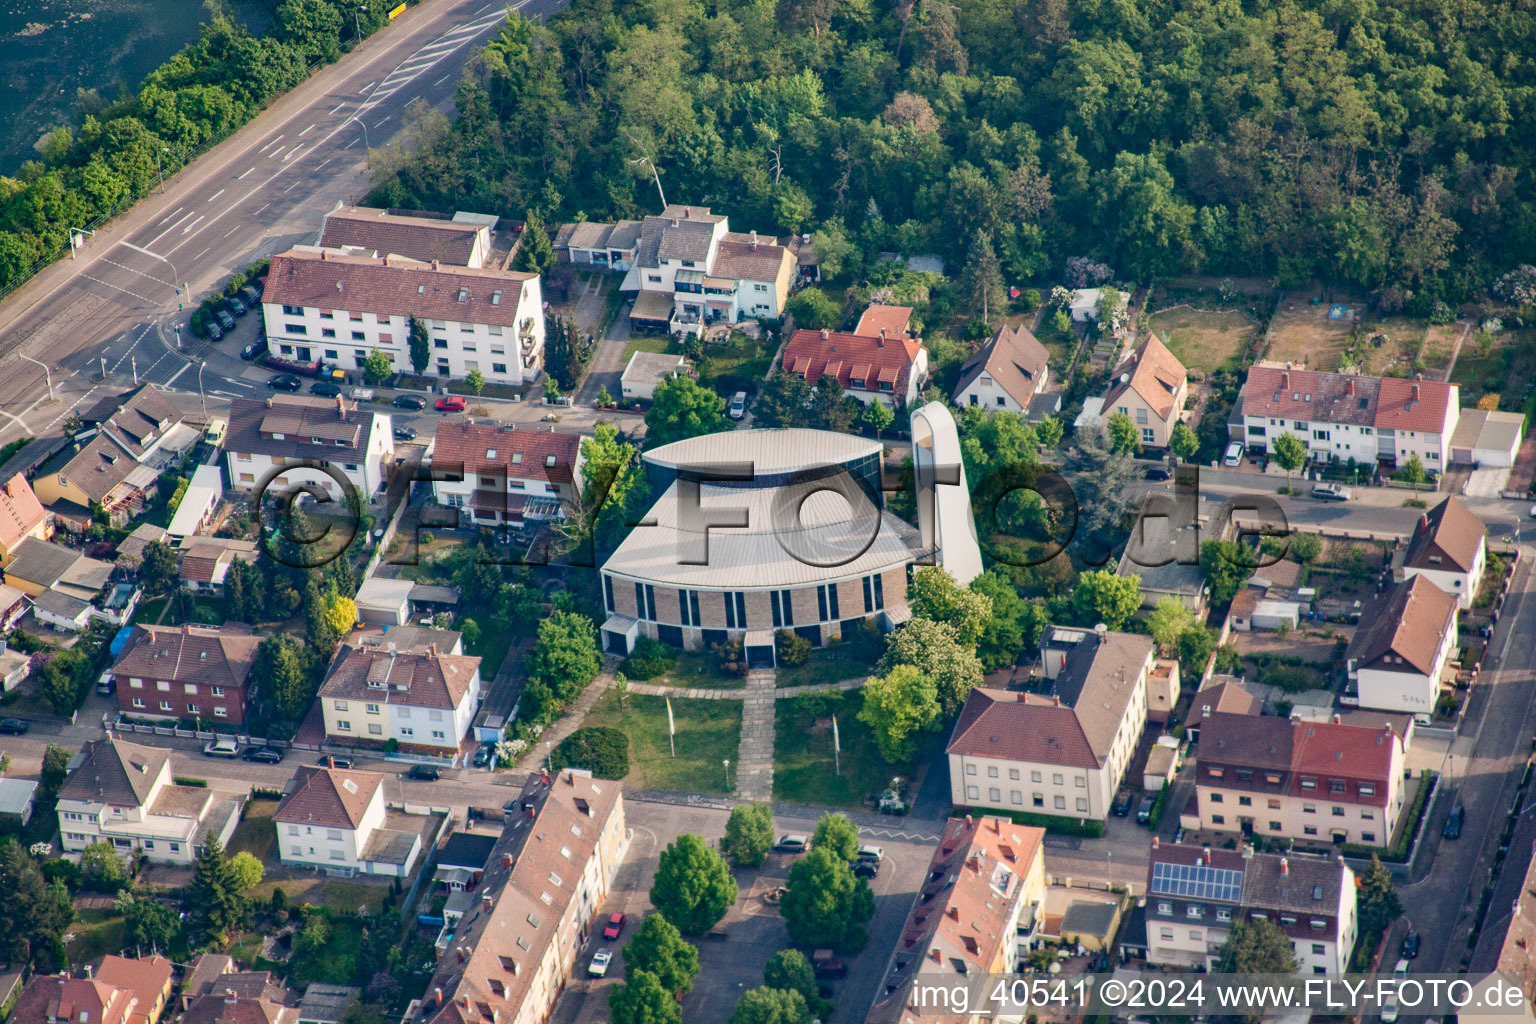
[[422, 698], [314, 434], [1345, 416], [1064, 753], [334, 820], [123, 794], [1194, 895], [337, 307], [1397, 657]]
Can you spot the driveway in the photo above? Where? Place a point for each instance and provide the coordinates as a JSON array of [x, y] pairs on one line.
[[608, 365]]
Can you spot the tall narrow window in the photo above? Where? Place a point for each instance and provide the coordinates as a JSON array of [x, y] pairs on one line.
[[640, 600], [821, 602], [773, 603], [730, 611], [869, 594], [832, 600], [682, 608], [787, 607], [741, 610], [693, 607], [608, 594], [879, 592]]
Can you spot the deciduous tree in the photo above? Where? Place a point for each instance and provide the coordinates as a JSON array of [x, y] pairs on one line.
[[933, 649], [770, 1006], [682, 408], [1124, 438], [659, 948], [836, 833], [1290, 453], [825, 904], [642, 999], [748, 835], [693, 885], [813, 310], [897, 706], [1103, 596]]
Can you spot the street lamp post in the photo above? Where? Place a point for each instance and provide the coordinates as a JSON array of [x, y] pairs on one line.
[[201, 395], [48, 372], [159, 171], [357, 24], [727, 763]]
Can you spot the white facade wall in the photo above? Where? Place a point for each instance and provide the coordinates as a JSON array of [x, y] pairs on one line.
[[162, 838], [1344, 441], [984, 392], [1033, 787], [333, 849], [246, 469], [346, 338], [1408, 692], [1460, 585], [381, 722]]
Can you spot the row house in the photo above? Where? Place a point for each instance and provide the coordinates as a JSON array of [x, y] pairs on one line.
[[337, 308], [187, 671], [316, 436], [123, 793], [505, 475], [1195, 894], [1345, 416], [1310, 782], [976, 914], [1065, 752]]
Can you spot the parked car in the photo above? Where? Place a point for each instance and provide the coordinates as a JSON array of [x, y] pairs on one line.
[[262, 755], [225, 320], [1331, 492], [254, 350], [237, 305], [738, 407], [874, 853], [1144, 810], [451, 403], [324, 389], [827, 965], [213, 331], [1453, 822], [410, 402], [250, 296], [1121, 808], [284, 382], [1234, 456], [1389, 1008], [793, 844], [332, 761], [865, 868], [483, 756], [14, 726], [405, 433], [106, 684], [1157, 473], [423, 773], [224, 746], [599, 965], [1410, 948], [615, 927], [362, 394]]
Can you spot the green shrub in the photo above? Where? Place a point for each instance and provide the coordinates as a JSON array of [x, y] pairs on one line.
[[1290, 678], [651, 658], [600, 750], [792, 648]]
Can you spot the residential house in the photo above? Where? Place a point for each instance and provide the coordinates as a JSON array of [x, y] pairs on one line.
[[334, 820], [750, 279], [61, 612], [975, 915], [198, 503], [384, 601], [895, 321], [122, 793], [463, 860], [1397, 657], [39, 565], [1149, 386], [1309, 782], [15, 665], [1064, 752], [884, 368], [13, 605], [239, 997], [322, 436], [505, 475], [205, 560], [149, 978], [420, 698], [188, 671], [214, 974], [1194, 895], [1343, 417], [119, 467], [553, 867], [416, 236], [1449, 546], [130, 550], [1004, 374], [55, 999], [646, 370], [338, 309], [21, 516]]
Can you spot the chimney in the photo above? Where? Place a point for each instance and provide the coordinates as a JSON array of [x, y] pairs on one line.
[[434, 650], [1349, 387], [880, 341], [486, 901], [341, 408], [506, 860], [1156, 842], [937, 958], [825, 334], [674, 222], [1415, 392], [1424, 520], [1205, 711], [324, 255], [1285, 866], [1247, 851], [434, 265], [1057, 698], [954, 912], [230, 998], [1337, 719], [269, 403], [753, 243], [386, 260], [437, 996], [997, 826]]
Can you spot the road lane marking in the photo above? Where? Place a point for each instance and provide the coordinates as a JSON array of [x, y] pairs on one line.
[[215, 195], [202, 254], [366, 87], [232, 230], [293, 153], [306, 131], [382, 121], [167, 231], [184, 368], [350, 144], [325, 161], [274, 153], [114, 287], [440, 81], [263, 207], [134, 270], [248, 170], [189, 227], [270, 142], [335, 108], [290, 188], [168, 216]]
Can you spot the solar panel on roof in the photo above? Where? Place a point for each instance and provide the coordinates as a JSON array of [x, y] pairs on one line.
[[1197, 881]]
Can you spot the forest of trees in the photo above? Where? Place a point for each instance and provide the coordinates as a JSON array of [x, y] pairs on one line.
[[1388, 146], [199, 96]]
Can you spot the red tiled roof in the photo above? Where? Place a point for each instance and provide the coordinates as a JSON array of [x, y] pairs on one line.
[[222, 655], [420, 678], [896, 320], [1415, 404], [1015, 359], [420, 238], [1402, 629], [329, 797], [810, 354], [395, 288], [1152, 372], [148, 978], [76, 1000], [1020, 727], [20, 511], [1448, 536], [1386, 403], [519, 453]]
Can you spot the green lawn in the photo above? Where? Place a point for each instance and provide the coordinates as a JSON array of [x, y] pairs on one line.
[[699, 670], [737, 365], [149, 611], [96, 933], [206, 610], [708, 733], [1207, 340], [804, 769], [255, 834], [339, 963], [650, 343], [847, 659]]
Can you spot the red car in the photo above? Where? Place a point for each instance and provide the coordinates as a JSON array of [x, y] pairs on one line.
[[450, 403], [615, 927]]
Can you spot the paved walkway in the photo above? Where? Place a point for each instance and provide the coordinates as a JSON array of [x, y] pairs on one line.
[[533, 758], [607, 363], [754, 761], [779, 693]]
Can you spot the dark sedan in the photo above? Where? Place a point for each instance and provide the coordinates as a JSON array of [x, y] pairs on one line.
[[405, 434], [415, 402], [284, 382], [324, 389], [262, 755], [14, 726]]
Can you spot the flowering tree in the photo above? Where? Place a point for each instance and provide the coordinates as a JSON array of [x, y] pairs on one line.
[[1081, 272]]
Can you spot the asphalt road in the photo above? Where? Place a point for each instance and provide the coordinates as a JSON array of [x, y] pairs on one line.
[[259, 192]]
